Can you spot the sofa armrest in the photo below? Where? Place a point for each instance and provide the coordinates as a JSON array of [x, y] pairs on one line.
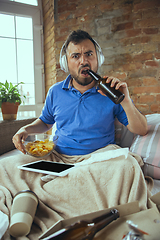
[[123, 137], [7, 130], [126, 137]]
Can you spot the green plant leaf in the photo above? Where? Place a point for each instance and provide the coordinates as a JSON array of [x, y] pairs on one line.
[[7, 84], [10, 93]]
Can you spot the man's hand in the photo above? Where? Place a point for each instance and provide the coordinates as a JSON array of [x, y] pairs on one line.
[[18, 139], [36, 127], [137, 123], [115, 82]]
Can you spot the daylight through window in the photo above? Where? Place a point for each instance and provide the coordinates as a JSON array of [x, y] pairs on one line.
[[21, 57], [16, 47], [31, 2]]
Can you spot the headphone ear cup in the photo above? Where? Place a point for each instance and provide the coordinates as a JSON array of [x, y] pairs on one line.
[[100, 58], [63, 63]]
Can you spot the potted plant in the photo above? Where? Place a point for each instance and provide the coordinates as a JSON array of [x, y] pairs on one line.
[[10, 99]]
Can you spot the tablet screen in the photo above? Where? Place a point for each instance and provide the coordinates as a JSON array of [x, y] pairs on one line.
[[47, 167]]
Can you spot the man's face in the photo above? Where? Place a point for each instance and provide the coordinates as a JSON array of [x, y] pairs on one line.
[[80, 57]]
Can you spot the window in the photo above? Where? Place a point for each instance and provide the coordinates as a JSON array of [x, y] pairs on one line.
[[21, 52], [30, 2]]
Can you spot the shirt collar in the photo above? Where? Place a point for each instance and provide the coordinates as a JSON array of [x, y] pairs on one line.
[[67, 85]]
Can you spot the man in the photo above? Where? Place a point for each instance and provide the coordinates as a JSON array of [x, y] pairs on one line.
[[85, 127], [84, 117]]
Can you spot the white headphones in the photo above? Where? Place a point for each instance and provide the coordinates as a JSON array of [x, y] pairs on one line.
[[63, 58]]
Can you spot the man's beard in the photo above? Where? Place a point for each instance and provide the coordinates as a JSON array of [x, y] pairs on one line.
[[85, 81]]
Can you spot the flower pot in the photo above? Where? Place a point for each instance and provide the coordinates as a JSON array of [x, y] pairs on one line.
[[9, 110]]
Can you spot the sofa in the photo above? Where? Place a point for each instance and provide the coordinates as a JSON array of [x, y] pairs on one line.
[[148, 146], [7, 130]]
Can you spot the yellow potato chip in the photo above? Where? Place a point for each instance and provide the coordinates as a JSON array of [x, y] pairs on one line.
[[39, 148]]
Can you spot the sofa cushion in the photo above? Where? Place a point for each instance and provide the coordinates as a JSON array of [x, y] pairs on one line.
[[7, 130], [148, 147]]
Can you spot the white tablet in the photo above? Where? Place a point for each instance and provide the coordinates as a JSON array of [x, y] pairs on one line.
[[48, 167]]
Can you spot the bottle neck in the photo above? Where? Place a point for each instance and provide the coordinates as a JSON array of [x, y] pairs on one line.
[[105, 219], [94, 75]]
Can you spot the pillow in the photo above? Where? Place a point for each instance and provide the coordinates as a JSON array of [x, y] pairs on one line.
[[148, 147]]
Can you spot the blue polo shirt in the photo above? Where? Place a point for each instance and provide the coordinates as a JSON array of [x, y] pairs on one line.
[[85, 122]]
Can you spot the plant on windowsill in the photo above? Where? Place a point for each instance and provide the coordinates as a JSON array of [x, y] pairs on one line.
[[10, 99]]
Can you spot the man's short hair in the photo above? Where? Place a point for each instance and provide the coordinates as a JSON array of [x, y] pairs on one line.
[[77, 37]]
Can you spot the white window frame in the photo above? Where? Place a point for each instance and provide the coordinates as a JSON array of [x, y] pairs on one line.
[[10, 7]]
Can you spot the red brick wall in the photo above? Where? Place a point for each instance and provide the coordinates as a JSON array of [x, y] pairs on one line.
[[49, 43], [128, 32]]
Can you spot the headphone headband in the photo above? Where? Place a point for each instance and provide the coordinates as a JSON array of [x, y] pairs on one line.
[[63, 58]]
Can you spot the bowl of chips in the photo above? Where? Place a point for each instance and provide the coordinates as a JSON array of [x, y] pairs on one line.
[[40, 145]]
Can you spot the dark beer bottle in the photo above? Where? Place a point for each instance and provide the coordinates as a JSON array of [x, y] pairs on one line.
[[114, 94], [85, 230]]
